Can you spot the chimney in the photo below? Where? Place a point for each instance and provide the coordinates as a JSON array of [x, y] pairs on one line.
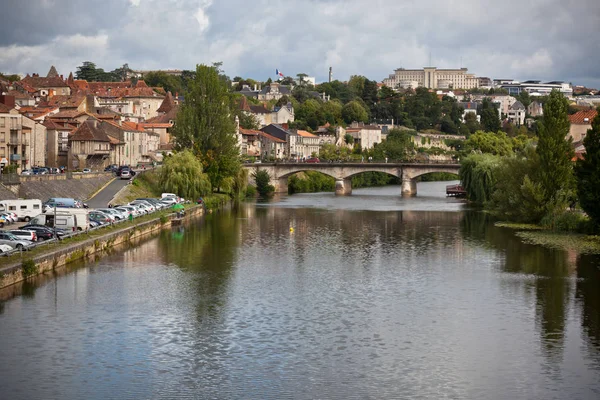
[[7, 100]]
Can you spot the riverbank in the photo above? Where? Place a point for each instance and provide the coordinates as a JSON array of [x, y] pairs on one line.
[[568, 241], [48, 259]]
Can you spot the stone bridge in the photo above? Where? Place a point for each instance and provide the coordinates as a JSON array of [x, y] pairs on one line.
[[343, 173]]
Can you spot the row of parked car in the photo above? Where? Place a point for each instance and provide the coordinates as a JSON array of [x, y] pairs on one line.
[[71, 220]]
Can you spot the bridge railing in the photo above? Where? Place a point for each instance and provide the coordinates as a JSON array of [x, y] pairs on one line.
[[378, 162]]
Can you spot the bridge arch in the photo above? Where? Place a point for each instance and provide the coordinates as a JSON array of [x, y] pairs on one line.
[[343, 173]]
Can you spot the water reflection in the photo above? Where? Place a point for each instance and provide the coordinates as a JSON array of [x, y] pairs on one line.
[[349, 303]]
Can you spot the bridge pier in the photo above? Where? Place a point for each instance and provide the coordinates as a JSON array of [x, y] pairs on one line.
[[343, 187], [409, 187], [281, 185]]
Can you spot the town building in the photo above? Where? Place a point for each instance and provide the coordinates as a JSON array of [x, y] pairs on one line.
[[533, 87], [432, 78], [264, 117], [303, 145], [581, 122], [516, 113], [365, 136], [535, 109], [468, 107]]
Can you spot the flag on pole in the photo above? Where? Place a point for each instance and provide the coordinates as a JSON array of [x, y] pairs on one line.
[[279, 73]]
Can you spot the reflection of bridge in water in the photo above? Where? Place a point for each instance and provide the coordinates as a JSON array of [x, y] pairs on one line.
[[343, 173]]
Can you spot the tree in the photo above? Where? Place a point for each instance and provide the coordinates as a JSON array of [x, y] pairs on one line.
[[524, 98], [478, 176], [182, 174], [448, 126], [263, 183], [10, 77], [587, 172], [354, 111], [301, 81], [471, 122], [205, 125], [87, 71], [168, 82], [555, 152], [489, 116], [397, 146], [348, 139], [496, 143]]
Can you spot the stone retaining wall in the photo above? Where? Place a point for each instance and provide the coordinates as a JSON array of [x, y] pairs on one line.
[[77, 186]]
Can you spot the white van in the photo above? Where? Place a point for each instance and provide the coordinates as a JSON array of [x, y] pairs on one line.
[[25, 209], [64, 221], [81, 215]]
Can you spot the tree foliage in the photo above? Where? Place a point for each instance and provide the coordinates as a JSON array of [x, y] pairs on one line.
[[490, 121], [397, 146], [263, 183], [478, 176], [555, 152], [161, 79], [354, 112], [205, 125], [496, 143], [587, 172], [182, 174]]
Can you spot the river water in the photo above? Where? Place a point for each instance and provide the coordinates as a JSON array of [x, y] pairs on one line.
[[370, 296]]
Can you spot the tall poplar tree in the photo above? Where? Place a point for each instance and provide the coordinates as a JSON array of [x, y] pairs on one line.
[[205, 125], [587, 172], [555, 172]]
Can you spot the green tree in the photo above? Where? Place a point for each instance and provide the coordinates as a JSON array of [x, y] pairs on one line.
[[354, 111], [182, 174], [517, 196], [356, 84], [555, 152], [471, 122], [397, 146], [478, 176], [496, 143], [168, 82], [524, 98], [348, 138], [263, 183], [205, 125], [489, 116], [587, 172], [10, 77], [332, 112]]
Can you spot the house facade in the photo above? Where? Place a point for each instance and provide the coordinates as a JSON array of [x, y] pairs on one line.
[[516, 113], [581, 122], [366, 136]]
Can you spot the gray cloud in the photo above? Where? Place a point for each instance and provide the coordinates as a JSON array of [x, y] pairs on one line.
[[537, 39]]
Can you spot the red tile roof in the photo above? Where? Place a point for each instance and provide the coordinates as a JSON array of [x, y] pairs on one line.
[[580, 117], [41, 82], [89, 131], [250, 132], [305, 134], [271, 138], [63, 101], [167, 105]]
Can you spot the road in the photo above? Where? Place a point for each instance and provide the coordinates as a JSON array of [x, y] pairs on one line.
[[102, 198]]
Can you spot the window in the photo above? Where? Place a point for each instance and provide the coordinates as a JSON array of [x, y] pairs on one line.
[[36, 206], [2, 122], [12, 208]]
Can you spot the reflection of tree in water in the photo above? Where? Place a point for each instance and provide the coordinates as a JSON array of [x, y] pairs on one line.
[[209, 249], [588, 295], [550, 268]]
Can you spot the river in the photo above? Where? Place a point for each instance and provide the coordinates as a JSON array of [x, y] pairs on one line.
[[370, 296]]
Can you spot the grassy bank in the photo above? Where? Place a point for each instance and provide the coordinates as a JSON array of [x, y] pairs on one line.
[[543, 236]]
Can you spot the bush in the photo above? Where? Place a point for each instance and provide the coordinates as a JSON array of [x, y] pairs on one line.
[[263, 186], [568, 221], [29, 268], [251, 191]]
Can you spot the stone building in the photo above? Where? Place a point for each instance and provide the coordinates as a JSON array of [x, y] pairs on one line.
[[432, 78]]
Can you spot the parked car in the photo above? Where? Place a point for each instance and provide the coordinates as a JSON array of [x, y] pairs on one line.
[[25, 234], [5, 248], [101, 217], [8, 218], [13, 241], [2, 221], [42, 232], [129, 210], [113, 212], [313, 160], [86, 171], [125, 174], [121, 168], [27, 172], [111, 168], [39, 171]]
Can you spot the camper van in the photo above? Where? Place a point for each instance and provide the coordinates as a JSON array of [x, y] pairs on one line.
[[64, 221], [25, 209], [81, 216]]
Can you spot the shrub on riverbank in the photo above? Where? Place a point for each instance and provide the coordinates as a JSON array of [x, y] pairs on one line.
[[310, 182], [263, 183]]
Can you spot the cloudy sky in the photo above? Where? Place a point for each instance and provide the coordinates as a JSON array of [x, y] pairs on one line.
[[531, 39]]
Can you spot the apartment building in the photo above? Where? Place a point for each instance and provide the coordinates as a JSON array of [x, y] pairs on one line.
[[432, 78]]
